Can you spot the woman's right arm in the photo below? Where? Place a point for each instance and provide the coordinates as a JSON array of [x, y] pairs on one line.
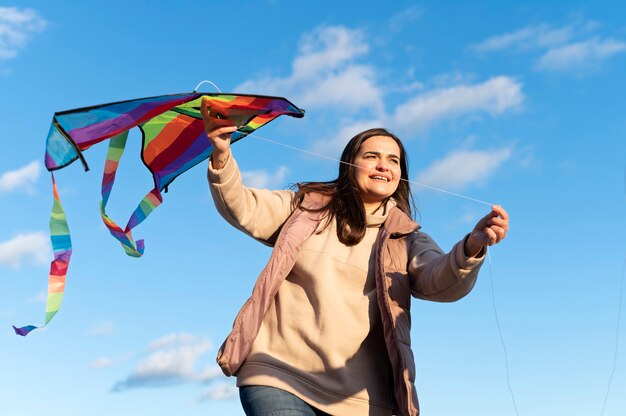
[[257, 212]]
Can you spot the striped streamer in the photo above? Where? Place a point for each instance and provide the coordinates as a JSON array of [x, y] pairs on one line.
[[152, 200], [62, 247]]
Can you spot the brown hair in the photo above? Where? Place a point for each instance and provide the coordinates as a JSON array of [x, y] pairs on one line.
[[345, 202]]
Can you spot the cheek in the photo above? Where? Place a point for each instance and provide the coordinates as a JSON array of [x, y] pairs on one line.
[[397, 173]]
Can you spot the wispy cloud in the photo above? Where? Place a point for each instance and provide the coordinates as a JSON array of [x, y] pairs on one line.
[[265, 179], [539, 36], [23, 178], [333, 146], [102, 328], [462, 168], [171, 361], [405, 17], [107, 362], [7, 313], [16, 28], [580, 55], [221, 391], [102, 362], [570, 48], [26, 248], [494, 96], [325, 72], [41, 297]]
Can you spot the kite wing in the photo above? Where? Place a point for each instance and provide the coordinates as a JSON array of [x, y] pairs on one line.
[[173, 142]]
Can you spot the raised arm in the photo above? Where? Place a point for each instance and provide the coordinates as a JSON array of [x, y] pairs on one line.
[[257, 212]]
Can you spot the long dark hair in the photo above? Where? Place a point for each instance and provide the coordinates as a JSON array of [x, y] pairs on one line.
[[345, 202]]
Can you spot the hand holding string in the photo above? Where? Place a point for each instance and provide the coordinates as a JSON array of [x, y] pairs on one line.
[[490, 230]]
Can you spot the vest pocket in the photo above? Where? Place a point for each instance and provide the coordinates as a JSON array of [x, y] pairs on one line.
[[399, 288]]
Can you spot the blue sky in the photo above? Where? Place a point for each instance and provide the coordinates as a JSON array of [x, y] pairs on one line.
[[519, 104]]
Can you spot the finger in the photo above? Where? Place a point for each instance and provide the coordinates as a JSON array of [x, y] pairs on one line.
[[499, 222], [499, 232], [491, 236], [204, 108], [219, 127], [213, 115], [501, 212], [225, 130]]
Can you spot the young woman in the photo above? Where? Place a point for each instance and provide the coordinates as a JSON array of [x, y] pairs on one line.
[[327, 328]]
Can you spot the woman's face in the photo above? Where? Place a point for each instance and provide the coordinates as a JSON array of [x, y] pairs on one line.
[[378, 169]]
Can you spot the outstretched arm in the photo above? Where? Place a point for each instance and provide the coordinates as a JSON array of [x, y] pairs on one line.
[[448, 277]]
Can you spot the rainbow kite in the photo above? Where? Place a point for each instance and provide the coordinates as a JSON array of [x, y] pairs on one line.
[[173, 142]]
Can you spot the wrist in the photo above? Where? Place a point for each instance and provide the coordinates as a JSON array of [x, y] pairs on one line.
[[471, 248], [219, 159]]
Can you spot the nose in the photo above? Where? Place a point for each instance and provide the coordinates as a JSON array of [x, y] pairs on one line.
[[382, 165]]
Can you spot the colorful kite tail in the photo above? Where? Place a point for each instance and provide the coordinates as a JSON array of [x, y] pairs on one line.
[[152, 200], [62, 247]]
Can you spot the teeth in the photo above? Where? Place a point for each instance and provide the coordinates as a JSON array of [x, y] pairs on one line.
[[381, 178]]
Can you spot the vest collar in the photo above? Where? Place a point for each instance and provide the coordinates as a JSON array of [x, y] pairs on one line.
[[399, 224]]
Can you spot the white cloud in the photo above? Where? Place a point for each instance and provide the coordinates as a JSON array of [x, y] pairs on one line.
[[462, 168], [324, 73], [263, 179], [354, 88], [221, 391], [16, 27], [586, 54], [26, 248], [333, 146], [405, 17], [567, 48], [7, 313], [101, 328], [102, 362], [172, 340], [41, 297], [22, 178], [171, 361], [493, 96], [530, 37]]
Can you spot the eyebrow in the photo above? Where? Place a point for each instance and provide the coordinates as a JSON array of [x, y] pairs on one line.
[[380, 154]]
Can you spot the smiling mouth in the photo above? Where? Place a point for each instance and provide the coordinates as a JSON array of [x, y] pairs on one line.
[[380, 178]]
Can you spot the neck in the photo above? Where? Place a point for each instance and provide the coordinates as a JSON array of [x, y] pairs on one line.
[[371, 207]]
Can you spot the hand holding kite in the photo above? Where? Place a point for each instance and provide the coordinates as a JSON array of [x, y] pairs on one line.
[[218, 128]]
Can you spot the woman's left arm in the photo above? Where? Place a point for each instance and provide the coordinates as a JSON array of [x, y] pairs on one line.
[[449, 277]]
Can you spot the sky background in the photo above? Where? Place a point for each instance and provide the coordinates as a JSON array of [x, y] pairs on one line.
[[515, 103]]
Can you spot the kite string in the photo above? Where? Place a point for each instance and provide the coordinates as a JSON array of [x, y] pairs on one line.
[[619, 318], [495, 313], [358, 167]]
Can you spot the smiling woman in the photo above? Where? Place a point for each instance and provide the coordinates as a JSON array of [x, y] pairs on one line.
[[327, 328]]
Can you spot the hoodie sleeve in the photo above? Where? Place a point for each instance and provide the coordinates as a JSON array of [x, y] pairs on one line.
[[441, 277], [259, 213]]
